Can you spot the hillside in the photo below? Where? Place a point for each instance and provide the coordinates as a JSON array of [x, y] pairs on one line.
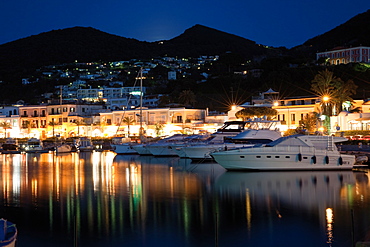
[[65, 46], [201, 40], [89, 44], [354, 32]]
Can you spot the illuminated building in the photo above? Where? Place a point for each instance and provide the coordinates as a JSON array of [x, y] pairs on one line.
[[172, 120], [341, 55]]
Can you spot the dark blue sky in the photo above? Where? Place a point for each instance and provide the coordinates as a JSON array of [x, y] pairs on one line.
[[269, 22]]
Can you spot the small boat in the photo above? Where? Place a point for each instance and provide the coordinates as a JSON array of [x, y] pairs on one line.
[[85, 145], [295, 152], [8, 233], [10, 147], [35, 145], [122, 145], [63, 148]]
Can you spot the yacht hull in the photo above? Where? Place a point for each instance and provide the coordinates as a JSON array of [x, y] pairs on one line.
[[269, 159]]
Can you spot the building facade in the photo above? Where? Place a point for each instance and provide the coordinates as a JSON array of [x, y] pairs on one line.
[[341, 55]]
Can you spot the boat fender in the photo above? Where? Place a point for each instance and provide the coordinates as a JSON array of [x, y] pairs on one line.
[[300, 157], [340, 161], [313, 159], [326, 159]]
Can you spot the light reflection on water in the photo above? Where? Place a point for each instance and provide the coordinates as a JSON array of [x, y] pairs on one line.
[[100, 199]]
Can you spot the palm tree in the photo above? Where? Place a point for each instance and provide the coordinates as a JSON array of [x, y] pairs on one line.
[[325, 84], [27, 125], [79, 123], [333, 91], [5, 126], [129, 121], [52, 123], [187, 97], [343, 92]]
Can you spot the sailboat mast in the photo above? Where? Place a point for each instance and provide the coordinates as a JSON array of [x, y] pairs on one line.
[[141, 104]]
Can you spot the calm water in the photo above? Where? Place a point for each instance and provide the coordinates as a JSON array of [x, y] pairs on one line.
[[100, 199]]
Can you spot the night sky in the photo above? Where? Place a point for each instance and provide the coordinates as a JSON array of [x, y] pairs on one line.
[[269, 22]]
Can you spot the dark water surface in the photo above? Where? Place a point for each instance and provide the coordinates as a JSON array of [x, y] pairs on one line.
[[100, 199]]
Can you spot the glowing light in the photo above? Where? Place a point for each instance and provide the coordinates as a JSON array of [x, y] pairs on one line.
[[325, 98], [276, 103], [329, 224]]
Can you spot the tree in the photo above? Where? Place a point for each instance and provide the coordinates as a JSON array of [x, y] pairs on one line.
[[79, 123], [332, 91], [259, 112], [325, 84], [309, 122], [158, 129], [52, 123], [187, 97], [27, 125], [5, 126], [128, 121], [342, 93]]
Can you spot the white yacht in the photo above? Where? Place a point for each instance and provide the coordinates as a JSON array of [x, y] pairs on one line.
[[35, 145], [257, 132], [296, 152], [163, 147], [123, 145]]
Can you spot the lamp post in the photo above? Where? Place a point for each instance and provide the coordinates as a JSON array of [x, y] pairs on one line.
[[325, 114]]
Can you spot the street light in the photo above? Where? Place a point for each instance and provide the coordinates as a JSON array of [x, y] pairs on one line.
[[324, 113]]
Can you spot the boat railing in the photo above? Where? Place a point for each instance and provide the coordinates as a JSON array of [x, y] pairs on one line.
[[282, 149]]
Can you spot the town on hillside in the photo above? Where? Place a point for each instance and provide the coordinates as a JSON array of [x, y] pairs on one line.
[[98, 100]]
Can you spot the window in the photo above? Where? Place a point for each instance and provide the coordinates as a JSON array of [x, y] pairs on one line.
[[292, 117], [288, 157], [258, 157], [277, 157], [72, 109], [65, 109]]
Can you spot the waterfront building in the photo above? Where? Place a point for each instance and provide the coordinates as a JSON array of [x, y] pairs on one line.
[[10, 120], [165, 120], [33, 120], [292, 110], [67, 120]]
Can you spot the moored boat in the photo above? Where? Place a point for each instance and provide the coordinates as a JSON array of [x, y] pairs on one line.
[[296, 152], [122, 145], [10, 147], [35, 145], [85, 145], [257, 132], [8, 233], [63, 148]]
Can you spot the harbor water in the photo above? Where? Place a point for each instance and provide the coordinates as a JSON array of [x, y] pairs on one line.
[[103, 199]]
